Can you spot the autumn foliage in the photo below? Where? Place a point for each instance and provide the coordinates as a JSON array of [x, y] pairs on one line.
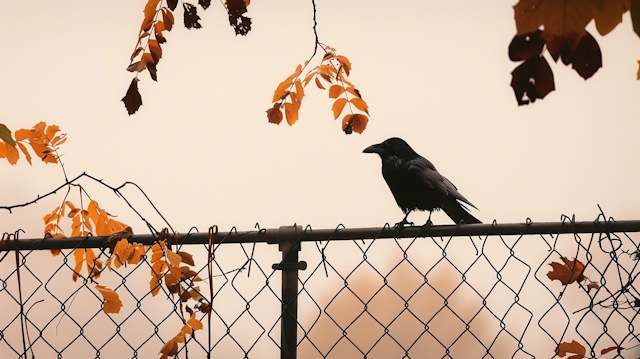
[[43, 140], [332, 72], [559, 27], [159, 19]]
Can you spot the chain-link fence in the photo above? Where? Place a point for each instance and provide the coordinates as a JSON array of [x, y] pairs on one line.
[[473, 291]]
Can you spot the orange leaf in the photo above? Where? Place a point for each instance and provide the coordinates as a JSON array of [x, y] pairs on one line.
[[112, 303], [281, 92], [24, 134], [360, 104], [154, 285], [51, 132], [79, 257], [299, 89], [10, 152], [338, 106], [291, 113], [24, 150], [573, 347], [274, 114], [149, 14], [136, 52], [335, 91], [319, 84]]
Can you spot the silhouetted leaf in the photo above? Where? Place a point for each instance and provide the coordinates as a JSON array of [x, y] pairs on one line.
[[204, 3], [533, 79], [635, 15], [240, 23], [172, 4], [191, 17], [587, 58], [525, 46], [132, 100]]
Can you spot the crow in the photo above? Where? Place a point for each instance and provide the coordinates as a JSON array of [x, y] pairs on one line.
[[416, 184]]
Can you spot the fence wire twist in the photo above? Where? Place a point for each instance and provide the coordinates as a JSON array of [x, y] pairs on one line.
[[480, 296]]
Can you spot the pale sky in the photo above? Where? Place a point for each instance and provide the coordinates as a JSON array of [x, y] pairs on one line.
[[434, 73]]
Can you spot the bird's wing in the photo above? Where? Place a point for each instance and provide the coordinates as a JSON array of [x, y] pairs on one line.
[[427, 173]]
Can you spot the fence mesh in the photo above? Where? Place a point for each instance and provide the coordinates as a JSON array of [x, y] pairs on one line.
[[484, 296]]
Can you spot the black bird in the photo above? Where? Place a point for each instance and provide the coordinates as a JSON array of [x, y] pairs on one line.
[[416, 184]]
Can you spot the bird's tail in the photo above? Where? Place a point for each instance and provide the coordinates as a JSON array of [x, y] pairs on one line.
[[458, 212]]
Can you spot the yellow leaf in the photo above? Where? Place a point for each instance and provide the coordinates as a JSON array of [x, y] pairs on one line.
[[338, 106], [112, 303], [360, 104], [335, 91]]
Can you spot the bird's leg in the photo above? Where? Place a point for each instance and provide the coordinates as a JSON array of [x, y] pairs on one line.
[[404, 221], [427, 225]]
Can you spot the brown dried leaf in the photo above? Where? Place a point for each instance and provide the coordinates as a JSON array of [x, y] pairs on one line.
[[274, 114], [573, 347], [186, 258], [156, 50], [5, 135], [167, 17]]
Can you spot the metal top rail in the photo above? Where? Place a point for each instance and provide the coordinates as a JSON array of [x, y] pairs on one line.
[[274, 235]]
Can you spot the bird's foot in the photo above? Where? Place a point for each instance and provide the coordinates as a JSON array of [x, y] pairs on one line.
[[425, 227], [400, 225]]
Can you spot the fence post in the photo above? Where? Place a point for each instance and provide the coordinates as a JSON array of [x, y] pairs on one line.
[[289, 245]]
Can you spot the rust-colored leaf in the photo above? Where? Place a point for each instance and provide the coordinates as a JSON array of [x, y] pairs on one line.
[[607, 14], [357, 122], [568, 272], [274, 114], [345, 63], [112, 303], [592, 285], [573, 347], [132, 100], [167, 19], [606, 350], [156, 50], [338, 106], [335, 91], [186, 258]]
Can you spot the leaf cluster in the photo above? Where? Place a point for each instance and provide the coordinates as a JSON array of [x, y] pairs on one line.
[[159, 19], [333, 72], [42, 139], [559, 27]]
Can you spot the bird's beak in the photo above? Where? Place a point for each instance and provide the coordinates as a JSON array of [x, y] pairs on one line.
[[377, 148]]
